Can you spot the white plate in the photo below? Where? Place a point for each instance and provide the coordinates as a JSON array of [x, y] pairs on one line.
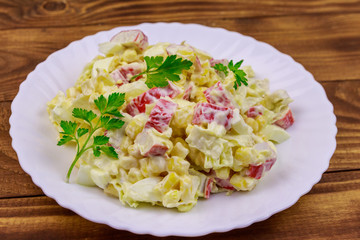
[[301, 161]]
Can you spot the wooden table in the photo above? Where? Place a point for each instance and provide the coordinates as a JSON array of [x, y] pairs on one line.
[[324, 36]]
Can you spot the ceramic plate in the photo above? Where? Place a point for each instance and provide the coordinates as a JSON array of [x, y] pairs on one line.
[[301, 160]]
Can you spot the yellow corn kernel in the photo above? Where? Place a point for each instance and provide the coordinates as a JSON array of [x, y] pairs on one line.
[[189, 129], [199, 94], [178, 165], [125, 143], [182, 141], [244, 155], [114, 63], [135, 126], [223, 172], [183, 114], [171, 181], [261, 121], [252, 123], [134, 151], [130, 55], [242, 183], [179, 150], [134, 175]]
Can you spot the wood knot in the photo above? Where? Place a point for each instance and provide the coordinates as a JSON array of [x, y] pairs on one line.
[[54, 5]]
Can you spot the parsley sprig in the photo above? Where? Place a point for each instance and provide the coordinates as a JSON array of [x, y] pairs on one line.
[[159, 71], [240, 75], [108, 119]]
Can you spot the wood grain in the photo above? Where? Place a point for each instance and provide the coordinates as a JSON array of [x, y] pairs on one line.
[[13, 180], [329, 55], [60, 13], [317, 210]]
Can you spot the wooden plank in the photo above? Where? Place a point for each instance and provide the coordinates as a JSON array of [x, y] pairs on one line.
[[329, 55], [317, 212], [346, 101], [29, 13], [343, 95], [13, 180]]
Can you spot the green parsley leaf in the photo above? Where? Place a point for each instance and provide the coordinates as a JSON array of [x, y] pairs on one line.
[[96, 151], [114, 123], [101, 140], [68, 127], [240, 75], [116, 100], [110, 106], [65, 139], [83, 114], [109, 151], [82, 131], [104, 120], [100, 102], [238, 64], [153, 62], [221, 68], [159, 73], [156, 80], [107, 106]]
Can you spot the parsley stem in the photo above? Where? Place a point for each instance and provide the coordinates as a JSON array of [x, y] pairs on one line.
[[83, 149], [72, 166], [137, 75]]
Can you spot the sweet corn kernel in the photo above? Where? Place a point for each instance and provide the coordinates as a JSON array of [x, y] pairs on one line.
[[134, 151], [244, 155], [171, 181], [135, 126], [242, 183], [128, 162], [252, 123], [189, 128], [130, 55], [134, 175], [178, 165], [261, 121], [223, 172], [199, 94], [179, 150], [126, 142]]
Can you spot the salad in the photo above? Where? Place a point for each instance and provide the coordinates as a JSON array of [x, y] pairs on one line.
[[167, 124]]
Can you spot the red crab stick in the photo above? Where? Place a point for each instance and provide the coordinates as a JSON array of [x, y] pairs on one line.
[[208, 113], [159, 119], [161, 114], [208, 186], [256, 171], [218, 95], [254, 111], [131, 38], [125, 73], [286, 120], [138, 104]]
